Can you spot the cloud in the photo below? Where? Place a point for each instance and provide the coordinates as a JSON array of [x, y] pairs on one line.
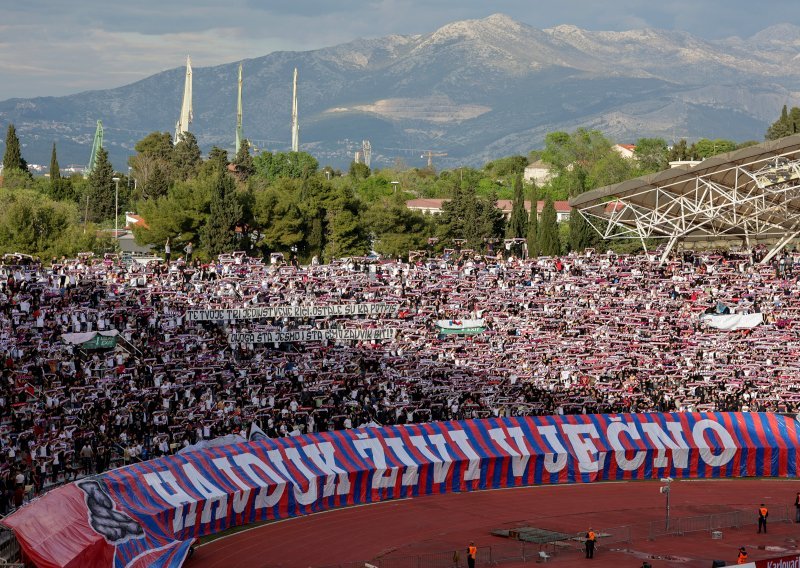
[[55, 48]]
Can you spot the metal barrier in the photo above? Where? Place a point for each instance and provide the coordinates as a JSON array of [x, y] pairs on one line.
[[716, 521], [10, 553], [497, 553], [516, 551]]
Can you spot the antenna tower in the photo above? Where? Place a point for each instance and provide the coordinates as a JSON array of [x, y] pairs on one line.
[[295, 125], [239, 136], [185, 118], [96, 145], [366, 149]]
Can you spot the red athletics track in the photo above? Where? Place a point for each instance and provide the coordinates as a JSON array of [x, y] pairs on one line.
[[448, 522]]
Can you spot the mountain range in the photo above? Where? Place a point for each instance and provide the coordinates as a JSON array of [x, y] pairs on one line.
[[474, 90]]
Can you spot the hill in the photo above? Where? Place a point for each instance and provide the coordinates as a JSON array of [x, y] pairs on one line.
[[476, 89]]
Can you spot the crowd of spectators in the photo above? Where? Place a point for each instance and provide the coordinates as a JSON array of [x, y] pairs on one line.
[[589, 333]]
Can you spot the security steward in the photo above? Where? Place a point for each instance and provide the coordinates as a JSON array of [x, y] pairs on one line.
[[472, 553], [742, 558], [591, 539], [763, 513]]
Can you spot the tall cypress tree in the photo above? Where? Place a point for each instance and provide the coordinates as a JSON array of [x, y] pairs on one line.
[[55, 173], [12, 158], [101, 188], [533, 225], [219, 233], [517, 224], [549, 241]]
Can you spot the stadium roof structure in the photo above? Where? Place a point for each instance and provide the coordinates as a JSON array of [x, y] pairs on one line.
[[750, 195]]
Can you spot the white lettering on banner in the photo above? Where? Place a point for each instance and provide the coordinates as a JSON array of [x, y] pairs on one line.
[[241, 497], [263, 498], [311, 335], [398, 447], [440, 466], [272, 312], [706, 453], [520, 456], [462, 441], [325, 468], [336, 479], [213, 495], [378, 457], [785, 562], [309, 481], [612, 433], [551, 435], [662, 440], [441, 446], [584, 447], [175, 496]]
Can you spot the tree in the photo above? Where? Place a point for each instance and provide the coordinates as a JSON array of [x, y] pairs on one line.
[[153, 150], [186, 157], [359, 171], [395, 228], [510, 166], [533, 225], [217, 162], [491, 221], [157, 184], [178, 215], [298, 165], [12, 158], [581, 234], [278, 214], [786, 125], [517, 224], [681, 152], [101, 189], [651, 155], [244, 161], [219, 233], [548, 230], [55, 171], [705, 148]]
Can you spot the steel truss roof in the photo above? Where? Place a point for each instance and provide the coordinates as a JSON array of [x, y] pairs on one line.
[[752, 193]]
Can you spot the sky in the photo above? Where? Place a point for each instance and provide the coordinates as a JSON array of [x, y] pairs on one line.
[[58, 47]]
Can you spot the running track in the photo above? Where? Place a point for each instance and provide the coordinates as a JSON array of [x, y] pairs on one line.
[[448, 522]]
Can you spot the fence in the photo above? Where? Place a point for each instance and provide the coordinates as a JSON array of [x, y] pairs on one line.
[[10, 553], [729, 519], [516, 551], [497, 553]]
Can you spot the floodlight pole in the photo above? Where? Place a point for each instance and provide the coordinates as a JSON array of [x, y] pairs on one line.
[[666, 489]]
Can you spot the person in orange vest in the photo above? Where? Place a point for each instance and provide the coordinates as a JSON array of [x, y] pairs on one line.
[[472, 553], [742, 558], [591, 539], [763, 513]]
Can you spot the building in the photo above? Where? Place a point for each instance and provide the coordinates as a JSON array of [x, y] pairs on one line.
[[538, 172], [625, 150], [430, 206], [434, 207], [684, 163]]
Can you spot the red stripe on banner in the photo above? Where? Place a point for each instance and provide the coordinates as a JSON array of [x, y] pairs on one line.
[[761, 441], [781, 457]]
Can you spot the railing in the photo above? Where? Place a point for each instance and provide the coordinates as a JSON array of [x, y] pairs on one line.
[[10, 553], [707, 523], [516, 551]]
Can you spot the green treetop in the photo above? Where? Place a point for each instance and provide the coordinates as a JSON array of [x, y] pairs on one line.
[[12, 158]]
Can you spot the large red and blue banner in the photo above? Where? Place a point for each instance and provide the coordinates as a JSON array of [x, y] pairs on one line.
[[148, 514]]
